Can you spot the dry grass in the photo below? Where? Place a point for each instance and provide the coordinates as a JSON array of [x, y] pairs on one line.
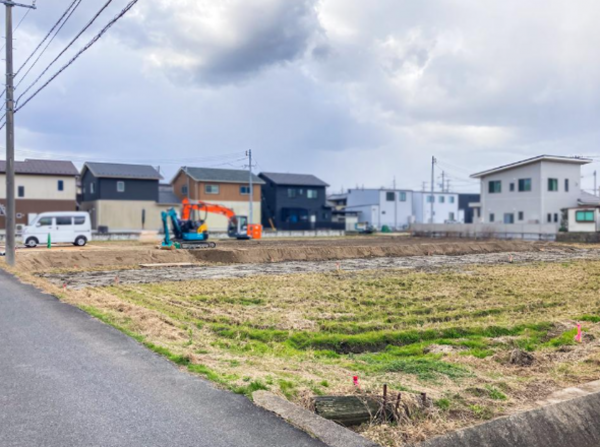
[[303, 335]]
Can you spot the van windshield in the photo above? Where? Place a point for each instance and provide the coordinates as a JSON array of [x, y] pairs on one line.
[[45, 222]]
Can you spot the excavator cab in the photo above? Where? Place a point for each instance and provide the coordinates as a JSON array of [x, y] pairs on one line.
[[238, 227]]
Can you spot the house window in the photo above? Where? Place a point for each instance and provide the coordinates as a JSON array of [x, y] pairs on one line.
[[549, 217], [566, 185], [452, 198], [584, 216], [402, 196], [120, 186], [509, 218], [524, 185], [552, 184], [492, 217], [211, 189], [521, 215], [429, 199], [61, 185], [495, 187], [292, 193], [92, 188], [184, 190], [512, 187], [555, 217], [245, 190], [442, 199], [390, 196], [312, 193], [21, 191]]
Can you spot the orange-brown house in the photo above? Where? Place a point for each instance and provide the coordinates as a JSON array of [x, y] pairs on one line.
[[227, 187]]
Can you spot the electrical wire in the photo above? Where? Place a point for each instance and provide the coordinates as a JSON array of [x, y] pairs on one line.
[[76, 3], [70, 44], [18, 25], [58, 22]]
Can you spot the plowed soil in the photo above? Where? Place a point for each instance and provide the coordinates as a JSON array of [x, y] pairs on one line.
[[251, 252]]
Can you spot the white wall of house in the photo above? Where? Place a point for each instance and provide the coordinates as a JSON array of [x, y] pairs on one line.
[[41, 187], [382, 207], [445, 207], [537, 206], [576, 226]]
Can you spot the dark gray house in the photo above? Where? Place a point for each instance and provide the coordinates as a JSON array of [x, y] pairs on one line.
[[294, 202], [124, 197]]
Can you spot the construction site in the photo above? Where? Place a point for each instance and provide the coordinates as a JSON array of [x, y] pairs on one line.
[[451, 332]]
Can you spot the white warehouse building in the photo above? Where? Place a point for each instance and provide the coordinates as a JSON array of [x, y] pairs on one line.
[[399, 208]]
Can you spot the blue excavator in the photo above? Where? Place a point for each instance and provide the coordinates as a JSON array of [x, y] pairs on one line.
[[187, 234]]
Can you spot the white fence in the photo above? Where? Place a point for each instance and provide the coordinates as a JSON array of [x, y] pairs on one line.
[[531, 232]]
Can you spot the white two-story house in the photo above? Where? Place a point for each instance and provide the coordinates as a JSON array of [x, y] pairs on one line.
[[531, 191]]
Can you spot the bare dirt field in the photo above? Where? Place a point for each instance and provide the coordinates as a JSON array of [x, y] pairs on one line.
[[301, 318], [157, 274], [244, 252]]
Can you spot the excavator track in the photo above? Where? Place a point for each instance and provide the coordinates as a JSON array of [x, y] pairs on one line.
[[197, 245]]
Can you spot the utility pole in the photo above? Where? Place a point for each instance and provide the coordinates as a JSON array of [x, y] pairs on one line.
[[595, 184], [250, 212], [10, 134], [395, 207], [433, 161]]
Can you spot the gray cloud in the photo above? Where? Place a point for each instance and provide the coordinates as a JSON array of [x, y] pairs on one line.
[[356, 93]]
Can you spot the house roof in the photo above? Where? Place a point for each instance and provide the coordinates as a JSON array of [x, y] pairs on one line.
[[587, 199], [116, 170], [527, 161], [221, 175], [166, 195], [293, 179], [43, 167]]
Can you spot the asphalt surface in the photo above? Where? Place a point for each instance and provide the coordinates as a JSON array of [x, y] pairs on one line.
[[67, 379]]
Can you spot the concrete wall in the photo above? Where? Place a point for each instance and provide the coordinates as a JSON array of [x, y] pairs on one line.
[[570, 423], [120, 215], [499, 231]]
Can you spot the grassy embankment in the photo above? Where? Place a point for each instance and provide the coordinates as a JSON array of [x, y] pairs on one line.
[[448, 333]]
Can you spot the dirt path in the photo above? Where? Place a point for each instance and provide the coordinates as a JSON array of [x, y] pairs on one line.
[[80, 280]]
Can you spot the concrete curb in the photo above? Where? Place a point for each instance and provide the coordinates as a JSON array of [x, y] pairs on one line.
[[569, 417], [328, 432]]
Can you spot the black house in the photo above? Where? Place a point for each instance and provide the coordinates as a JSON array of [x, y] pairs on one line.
[[294, 202], [463, 205], [124, 197]]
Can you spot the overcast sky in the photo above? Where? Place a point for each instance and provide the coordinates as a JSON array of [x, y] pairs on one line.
[[356, 92]]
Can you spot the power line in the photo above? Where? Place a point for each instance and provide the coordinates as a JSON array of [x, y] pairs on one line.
[[43, 40], [74, 8], [85, 28], [18, 25]]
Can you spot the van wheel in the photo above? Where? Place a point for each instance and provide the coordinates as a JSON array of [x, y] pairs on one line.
[[32, 242], [80, 241]]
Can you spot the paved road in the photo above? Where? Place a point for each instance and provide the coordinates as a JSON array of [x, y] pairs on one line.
[[67, 379]]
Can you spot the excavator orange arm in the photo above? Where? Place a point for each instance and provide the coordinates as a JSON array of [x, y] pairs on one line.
[[204, 206]]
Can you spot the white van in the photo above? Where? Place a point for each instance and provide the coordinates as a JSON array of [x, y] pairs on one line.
[[70, 227]]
